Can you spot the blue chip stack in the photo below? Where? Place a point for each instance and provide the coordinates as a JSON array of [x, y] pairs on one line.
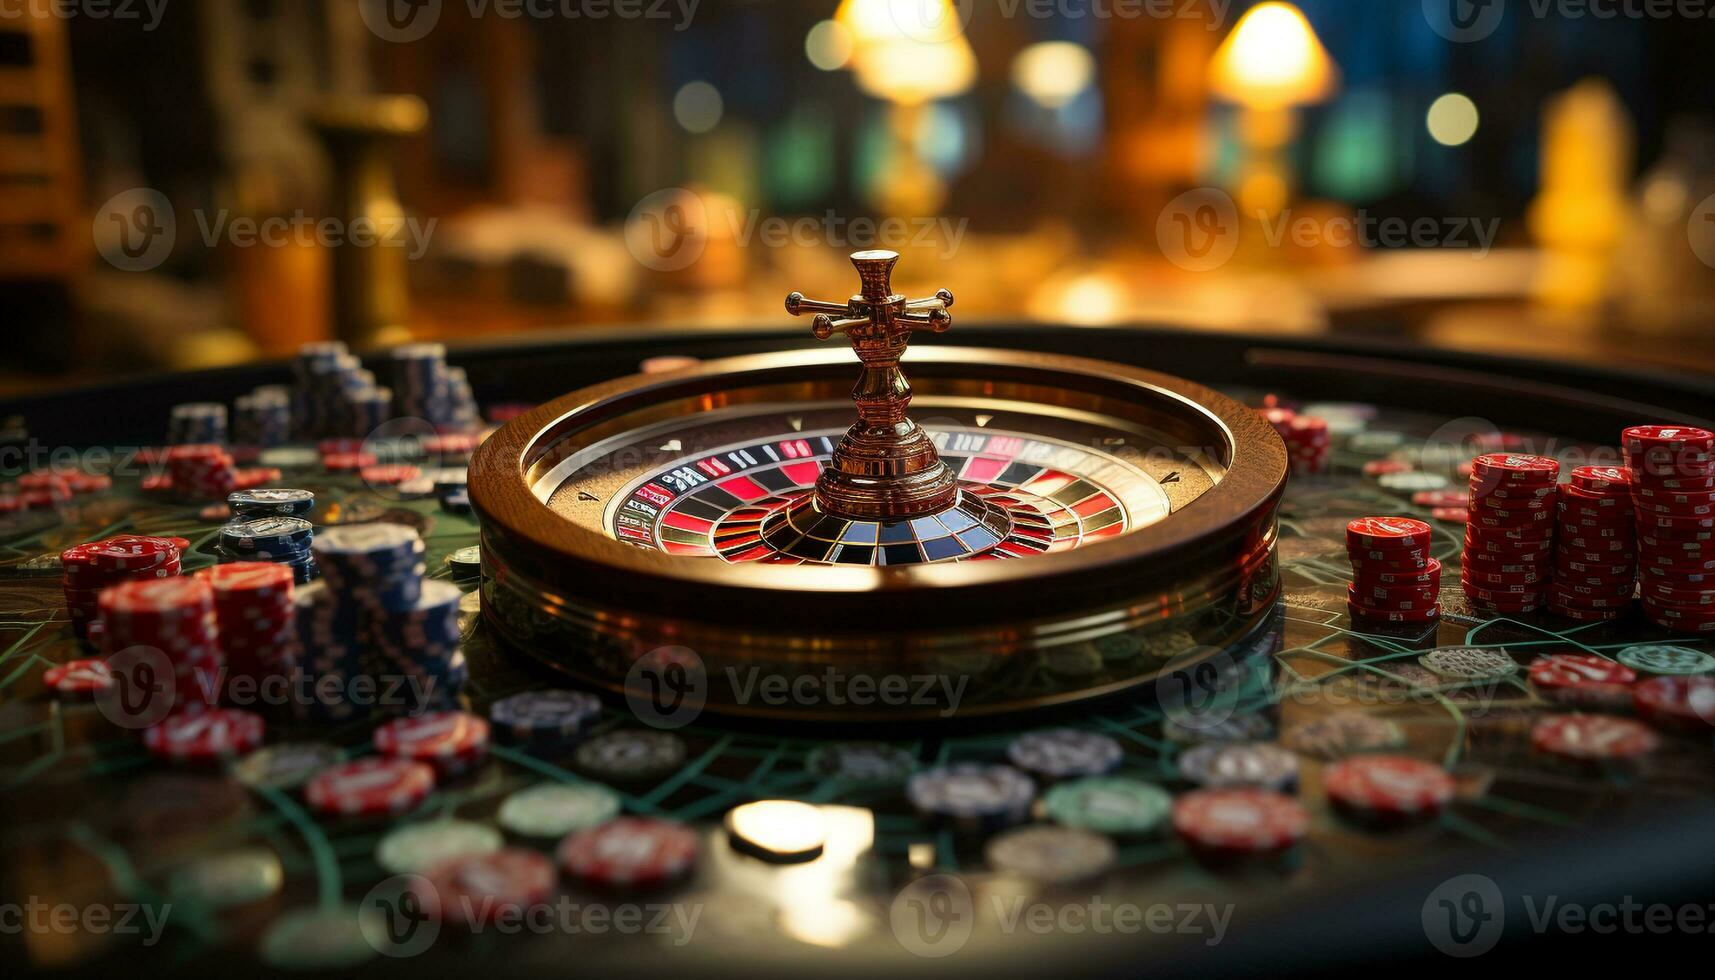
[[424, 387], [543, 720], [410, 625], [263, 417], [330, 656], [282, 540], [250, 505], [196, 423], [451, 489], [335, 396]]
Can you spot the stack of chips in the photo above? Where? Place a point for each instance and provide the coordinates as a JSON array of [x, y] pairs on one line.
[[86, 569], [452, 490], [201, 471], [375, 566], [1394, 579], [1309, 442], [256, 619], [329, 653], [251, 505], [426, 388], [196, 422], [1595, 546], [419, 641], [1673, 489], [263, 418], [281, 540], [173, 616], [1509, 536], [335, 396]]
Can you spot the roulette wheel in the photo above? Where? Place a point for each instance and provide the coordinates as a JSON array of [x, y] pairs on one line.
[[697, 631]]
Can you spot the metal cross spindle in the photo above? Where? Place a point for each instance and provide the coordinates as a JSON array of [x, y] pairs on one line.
[[885, 467]]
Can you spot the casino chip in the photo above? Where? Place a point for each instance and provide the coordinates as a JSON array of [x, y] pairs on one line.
[[414, 848], [1055, 855], [1593, 738], [1583, 679], [1388, 788], [862, 763], [543, 716], [630, 755], [370, 787], [452, 741], [1109, 805], [1683, 703], [1064, 752], [317, 939], [1239, 728], [777, 831], [78, 678], [1669, 660], [1469, 663], [630, 852], [478, 888], [223, 881], [288, 765], [1343, 733], [557, 809], [466, 563], [1262, 765], [967, 792], [208, 737], [1236, 823]]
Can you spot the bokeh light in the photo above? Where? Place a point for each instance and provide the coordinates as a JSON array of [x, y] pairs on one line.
[[1452, 119], [697, 106]]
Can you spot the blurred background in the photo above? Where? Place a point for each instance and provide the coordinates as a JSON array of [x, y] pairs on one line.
[[188, 183]]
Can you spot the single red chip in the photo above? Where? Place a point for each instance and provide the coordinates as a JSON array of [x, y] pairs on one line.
[[389, 475], [451, 740], [477, 889], [630, 852], [1601, 479], [1388, 786], [1239, 822], [1646, 437], [1586, 738], [347, 462], [1677, 702], [205, 737], [1580, 672], [339, 447], [1388, 533], [370, 787], [1440, 498], [1515, 468], [78, 678], [1456, 515], [1386, 467]]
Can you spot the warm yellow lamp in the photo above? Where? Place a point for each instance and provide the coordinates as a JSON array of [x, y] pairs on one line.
[[910, 53], [1269, 65]]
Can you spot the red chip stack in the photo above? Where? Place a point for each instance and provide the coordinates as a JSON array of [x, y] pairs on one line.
[[86, 569], [1509, 536], [256, 617], [174, 616], [1673, 492], [1595, 546], [1394, 579], [202, 471], [1308, 441]]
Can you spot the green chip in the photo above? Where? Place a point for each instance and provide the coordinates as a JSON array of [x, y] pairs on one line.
[[1109, 805], [415, 848], [287, 765], [1658, 659], [558, 809], [224, 881], [318, 939]]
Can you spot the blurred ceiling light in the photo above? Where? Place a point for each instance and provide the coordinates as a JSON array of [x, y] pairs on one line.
[[908, 51], [697, 106], [1053, 73], [1272, 60], [1452, 119], [828, 45]]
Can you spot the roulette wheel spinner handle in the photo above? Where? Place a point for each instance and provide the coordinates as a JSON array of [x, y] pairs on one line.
[[885, 467]]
